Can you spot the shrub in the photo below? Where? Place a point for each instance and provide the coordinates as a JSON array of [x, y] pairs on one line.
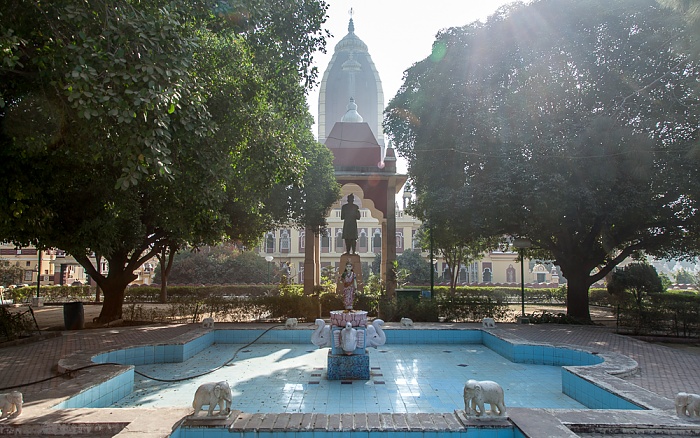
[[14, 325], [53, 294], [601, 297], [666, 313], [471, 308]]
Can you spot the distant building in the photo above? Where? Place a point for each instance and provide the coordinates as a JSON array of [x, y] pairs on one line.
[[59, 268]]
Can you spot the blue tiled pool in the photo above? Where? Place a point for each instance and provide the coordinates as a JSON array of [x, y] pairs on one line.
[[416, 371]]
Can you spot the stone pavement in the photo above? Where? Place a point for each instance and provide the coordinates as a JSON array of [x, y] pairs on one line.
[[32, 368]]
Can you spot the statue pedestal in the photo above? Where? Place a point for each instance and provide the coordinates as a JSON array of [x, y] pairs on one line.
[[343, 367], [358, 318]]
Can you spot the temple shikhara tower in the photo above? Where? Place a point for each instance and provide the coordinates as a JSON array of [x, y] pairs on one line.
[[350, 107]]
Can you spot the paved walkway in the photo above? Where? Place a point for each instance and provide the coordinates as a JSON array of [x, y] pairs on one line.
[[31, 368]]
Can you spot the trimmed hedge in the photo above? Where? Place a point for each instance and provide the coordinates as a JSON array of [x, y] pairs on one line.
[[667, 314], [51, 294], [243, 303]]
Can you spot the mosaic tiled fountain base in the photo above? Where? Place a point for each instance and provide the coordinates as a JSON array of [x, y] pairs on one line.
[[344, 365]]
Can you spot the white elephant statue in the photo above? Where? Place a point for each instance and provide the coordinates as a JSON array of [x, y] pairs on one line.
[[11, 404], [321, 337], [476, 393], [348, 339], [291, 323], [687, 405], [375, 334], [213, 394], [488, 323], [208, 323], [407, 322]]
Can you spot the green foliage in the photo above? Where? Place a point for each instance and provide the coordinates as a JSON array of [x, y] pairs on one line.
[[150, 294], [9, 274], [219, 265], [471, 308], [665, 281], [377, 264], [578, 133], [51, 294], [545, 317], [417, 267], [163, 123], [418, 310], [14, 325], [451, 242], [638, 279], [683, 276], [633, 286], [601, 297], [669, 314], [310, 199], [680, 313]]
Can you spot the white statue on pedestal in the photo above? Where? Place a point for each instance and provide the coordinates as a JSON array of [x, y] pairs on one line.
[[687, 405], [213, 394], [321, 337], [348, 339], [11, 404], [476, 393]]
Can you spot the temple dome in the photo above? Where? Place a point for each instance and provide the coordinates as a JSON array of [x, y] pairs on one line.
[[351, 42], [352, 116]]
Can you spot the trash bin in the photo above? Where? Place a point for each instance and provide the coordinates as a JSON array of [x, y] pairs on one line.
[[73, 316], [408, 294], [426, 294]]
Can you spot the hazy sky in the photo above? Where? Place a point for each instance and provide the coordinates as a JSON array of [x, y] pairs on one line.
[[398, 33]]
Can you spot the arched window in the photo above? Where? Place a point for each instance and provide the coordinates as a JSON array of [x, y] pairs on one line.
[[362, 240], [377, 241], [445, 272], [325, 242], [270, 242], [487, 275], [510, 274], [463, 274], [473, 273], [339, 243], [285, 241], [399, 241], [302, 240]]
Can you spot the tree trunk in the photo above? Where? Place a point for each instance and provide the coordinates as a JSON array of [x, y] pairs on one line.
[[577, 298], [163, 289], [112, 306], [122, 265], [113, 288]]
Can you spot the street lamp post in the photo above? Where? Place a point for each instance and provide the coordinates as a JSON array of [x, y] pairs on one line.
[[522, 244], [432, 263], [269, 259]]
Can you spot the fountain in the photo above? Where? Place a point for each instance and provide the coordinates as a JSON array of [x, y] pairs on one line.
[[349, 335]]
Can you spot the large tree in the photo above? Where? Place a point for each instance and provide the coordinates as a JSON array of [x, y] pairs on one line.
[[571, 123], [450, 241], [416, 266], [131, 126]]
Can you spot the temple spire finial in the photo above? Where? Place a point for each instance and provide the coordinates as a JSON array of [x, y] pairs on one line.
[[351, 25]]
